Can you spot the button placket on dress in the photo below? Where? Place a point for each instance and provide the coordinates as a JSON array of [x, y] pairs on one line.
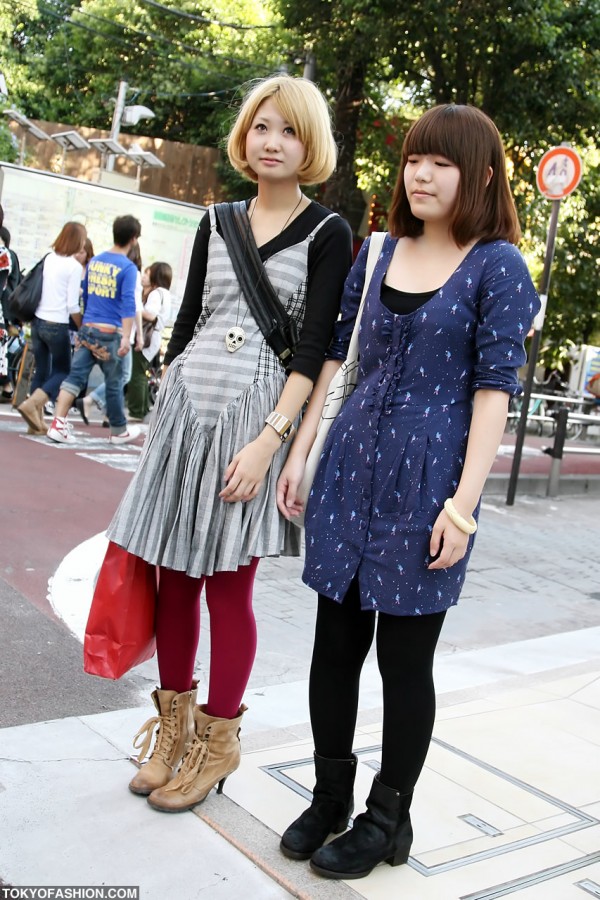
[[401, 331], [395, 332]]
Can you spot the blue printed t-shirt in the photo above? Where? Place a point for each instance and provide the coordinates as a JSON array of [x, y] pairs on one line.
[[109, 289]]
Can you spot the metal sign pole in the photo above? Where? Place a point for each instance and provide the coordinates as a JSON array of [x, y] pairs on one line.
[[533, 353]]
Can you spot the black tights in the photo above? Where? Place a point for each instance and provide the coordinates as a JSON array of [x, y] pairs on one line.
[[405, 648]]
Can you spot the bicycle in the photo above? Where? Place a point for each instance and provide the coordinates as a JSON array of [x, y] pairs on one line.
[[536, 413], [561, 389], [544, 410]]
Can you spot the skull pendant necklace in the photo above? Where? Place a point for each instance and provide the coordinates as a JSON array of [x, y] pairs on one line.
[[235, 337]]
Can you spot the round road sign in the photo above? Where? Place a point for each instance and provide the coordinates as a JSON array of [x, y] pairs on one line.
[[559, 173]]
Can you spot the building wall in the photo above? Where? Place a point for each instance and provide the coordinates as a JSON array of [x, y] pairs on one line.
[[190, 172]]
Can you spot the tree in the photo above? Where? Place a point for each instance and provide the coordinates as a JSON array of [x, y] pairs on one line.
[[350, 38], [532, 66], [182, 64]]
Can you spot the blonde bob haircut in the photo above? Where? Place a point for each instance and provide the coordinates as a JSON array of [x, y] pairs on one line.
[[303, 106], [485, 209]]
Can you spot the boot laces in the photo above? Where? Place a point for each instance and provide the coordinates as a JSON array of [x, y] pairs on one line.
[[165, 738], [192, 763]]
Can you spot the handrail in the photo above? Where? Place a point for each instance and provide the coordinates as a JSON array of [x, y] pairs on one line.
[[556, 451], [560, 398]]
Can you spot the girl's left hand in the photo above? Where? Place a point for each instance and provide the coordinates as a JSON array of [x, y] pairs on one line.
[[246, 471], [451, 539]]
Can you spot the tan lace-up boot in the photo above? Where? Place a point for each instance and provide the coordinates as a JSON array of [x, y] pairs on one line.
[[175, 723], [32, 411], [214, 754]]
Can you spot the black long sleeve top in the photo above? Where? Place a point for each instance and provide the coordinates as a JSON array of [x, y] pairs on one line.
[[329, 261]]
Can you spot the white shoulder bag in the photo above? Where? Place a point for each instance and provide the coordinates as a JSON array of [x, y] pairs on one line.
[[341, 385]]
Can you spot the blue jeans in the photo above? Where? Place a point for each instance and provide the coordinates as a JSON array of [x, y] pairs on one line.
[[99, 395], [112, 367], [52, 351]]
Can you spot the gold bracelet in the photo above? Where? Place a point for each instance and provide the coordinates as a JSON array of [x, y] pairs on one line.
[[469, 526]]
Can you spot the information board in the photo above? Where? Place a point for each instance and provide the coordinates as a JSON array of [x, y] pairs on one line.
[[37, 204]]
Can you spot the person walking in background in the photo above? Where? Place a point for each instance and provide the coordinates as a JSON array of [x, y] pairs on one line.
[[202, 503], [85, 254], [156, 282], [50, 340], [394, 504], [136, 332], [10, 276], [83, 257], [109, 310], [98, 396]]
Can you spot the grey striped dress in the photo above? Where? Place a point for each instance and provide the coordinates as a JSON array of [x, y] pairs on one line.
[[211, 404]]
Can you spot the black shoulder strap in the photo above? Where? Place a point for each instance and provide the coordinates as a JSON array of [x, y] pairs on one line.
[[279, 329]]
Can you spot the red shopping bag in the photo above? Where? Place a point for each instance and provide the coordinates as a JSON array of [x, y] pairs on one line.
[[120, 629]]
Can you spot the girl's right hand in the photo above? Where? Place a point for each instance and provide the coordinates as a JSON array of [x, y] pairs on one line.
[[287, 487]]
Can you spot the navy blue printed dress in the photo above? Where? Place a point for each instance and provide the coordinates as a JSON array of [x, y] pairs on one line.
[[396, 450]]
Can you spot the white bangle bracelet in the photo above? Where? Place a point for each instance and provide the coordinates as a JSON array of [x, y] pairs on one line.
[[469, 526]]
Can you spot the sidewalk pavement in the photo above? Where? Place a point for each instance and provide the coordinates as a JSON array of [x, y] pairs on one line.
[[509, 800]]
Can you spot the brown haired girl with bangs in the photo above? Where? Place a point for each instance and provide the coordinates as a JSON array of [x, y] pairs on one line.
[[50, 337], [202, 504], [392, 514]]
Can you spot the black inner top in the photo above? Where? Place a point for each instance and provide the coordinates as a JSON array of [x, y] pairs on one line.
[[403, 302]]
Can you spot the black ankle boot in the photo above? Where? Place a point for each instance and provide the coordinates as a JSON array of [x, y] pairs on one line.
[[383, 832], [331, 807]]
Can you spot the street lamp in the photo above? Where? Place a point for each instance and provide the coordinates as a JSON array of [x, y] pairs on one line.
[[28, 127], [109, 148], [69, 141], [142, 158], [133, 114], [125, 115]]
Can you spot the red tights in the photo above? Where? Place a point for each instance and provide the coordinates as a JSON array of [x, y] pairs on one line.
[[232, 634]]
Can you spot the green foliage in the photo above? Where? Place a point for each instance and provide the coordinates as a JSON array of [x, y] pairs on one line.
[[186, 70], [573, 313], [18, 47], [8, 148], [532, 65]]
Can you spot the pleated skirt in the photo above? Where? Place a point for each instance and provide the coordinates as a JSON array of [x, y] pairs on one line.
[[171, 514]]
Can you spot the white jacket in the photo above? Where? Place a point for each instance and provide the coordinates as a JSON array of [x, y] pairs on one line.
[[158, 303]]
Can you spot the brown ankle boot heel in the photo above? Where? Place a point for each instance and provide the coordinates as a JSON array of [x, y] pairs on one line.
[[214, 754]]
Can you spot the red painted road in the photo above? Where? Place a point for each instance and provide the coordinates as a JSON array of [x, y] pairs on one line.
[[54, 498]]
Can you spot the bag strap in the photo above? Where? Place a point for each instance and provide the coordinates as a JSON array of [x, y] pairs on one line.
[[266, 307], [35, 267], [375, 247]]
